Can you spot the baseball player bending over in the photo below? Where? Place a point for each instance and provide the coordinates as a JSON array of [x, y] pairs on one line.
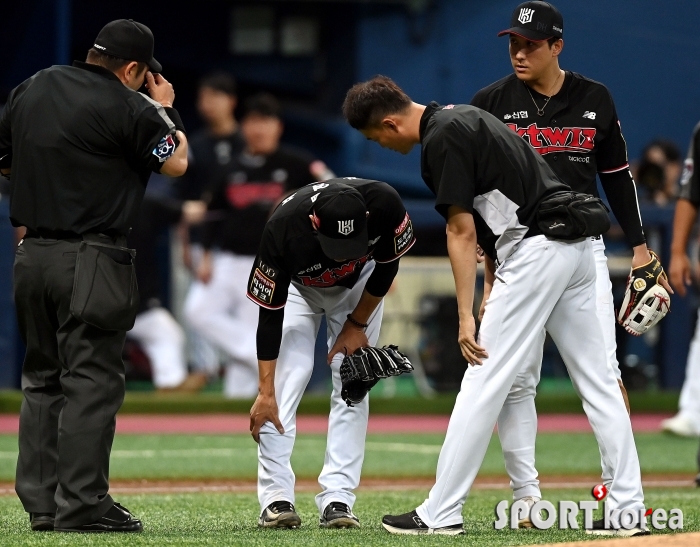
[[572, 123], [330, 249], [490, 185]]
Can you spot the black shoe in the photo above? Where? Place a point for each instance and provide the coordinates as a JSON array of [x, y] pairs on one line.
[[411, 523], [41, 522], [599, 529], [280, 514], [117, 519], [338, 515]]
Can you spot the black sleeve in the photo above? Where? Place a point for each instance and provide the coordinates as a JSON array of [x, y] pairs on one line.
[[397, 235], [268, 283], [269, 335], [152, 138], [690, 180], [611, 150], [622, 195], [382, 277], [215, 198]]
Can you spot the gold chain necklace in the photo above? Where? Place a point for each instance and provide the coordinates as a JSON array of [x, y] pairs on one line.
[[540, 111]]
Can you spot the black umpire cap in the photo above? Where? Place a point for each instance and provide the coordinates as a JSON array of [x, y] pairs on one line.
[[127, 39], [536, 21], [342, 217]]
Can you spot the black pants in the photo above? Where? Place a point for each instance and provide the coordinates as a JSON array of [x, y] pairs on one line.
[[73, 385]]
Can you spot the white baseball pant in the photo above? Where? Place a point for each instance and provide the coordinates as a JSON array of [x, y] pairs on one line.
[[689, 403], [543, 284], [347, 427], [163, 341], [517, 422], [220, 312]]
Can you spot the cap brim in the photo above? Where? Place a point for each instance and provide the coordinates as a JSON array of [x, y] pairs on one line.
[[341, 249], [155, 66], [526, 33]]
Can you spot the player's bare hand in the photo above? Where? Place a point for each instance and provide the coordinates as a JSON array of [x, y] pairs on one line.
[[680, 272], [350, 338], [264, 410], [160, 89], [205, 268], [193, 211], [471, 351]]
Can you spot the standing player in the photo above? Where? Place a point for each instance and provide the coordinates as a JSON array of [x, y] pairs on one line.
[[255, 180], [687, 422], [489, 185], [329, 249], [571, 121]]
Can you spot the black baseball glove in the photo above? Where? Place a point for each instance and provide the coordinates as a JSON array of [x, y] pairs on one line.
[[361, 371]]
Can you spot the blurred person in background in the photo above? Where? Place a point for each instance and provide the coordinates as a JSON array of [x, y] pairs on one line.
[[687, 422], [155, 329], [254, 182], [212, 149], [658, 170]]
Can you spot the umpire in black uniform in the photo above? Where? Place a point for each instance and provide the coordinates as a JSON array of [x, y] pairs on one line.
[[82, 144]]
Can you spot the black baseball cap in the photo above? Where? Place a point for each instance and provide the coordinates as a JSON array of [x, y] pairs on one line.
[[342, 215], [127, 39], [536, 21]]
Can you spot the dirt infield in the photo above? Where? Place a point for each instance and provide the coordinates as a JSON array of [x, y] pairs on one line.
[[665, 480], [658, 540], [240, 423]]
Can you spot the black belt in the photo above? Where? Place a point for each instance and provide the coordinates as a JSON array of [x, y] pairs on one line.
[[73, 236]]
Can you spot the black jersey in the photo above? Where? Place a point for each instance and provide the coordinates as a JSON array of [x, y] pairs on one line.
[[290, 252], [579, 134], [470, 159], [690, 179], [247, 189]]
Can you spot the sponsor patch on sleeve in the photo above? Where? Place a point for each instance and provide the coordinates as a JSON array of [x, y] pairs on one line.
[[403, 235], [261, 288], [165, 148]]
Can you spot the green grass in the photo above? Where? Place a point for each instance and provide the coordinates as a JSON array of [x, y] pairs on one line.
[[399, 455], [230, 519], [548, 402]]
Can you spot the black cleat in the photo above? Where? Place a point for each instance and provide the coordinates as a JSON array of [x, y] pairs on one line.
[[280, 514], [117, 519], [411, 523], [41, 522], [599, 529], [338, 515]]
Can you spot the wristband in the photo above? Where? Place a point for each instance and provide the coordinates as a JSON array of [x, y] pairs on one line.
[[175, 118], [356, 322]]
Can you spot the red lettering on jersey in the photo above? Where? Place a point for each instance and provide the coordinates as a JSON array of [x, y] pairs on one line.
[[402, 226], [557, 139], [332, 275]]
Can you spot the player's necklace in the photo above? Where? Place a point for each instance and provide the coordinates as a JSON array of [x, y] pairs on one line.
[[540, 111]]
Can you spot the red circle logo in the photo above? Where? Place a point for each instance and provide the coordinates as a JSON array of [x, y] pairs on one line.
[[599, 491]]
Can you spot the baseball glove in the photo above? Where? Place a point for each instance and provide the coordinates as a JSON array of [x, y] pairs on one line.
[[361, 371], [646, 302]]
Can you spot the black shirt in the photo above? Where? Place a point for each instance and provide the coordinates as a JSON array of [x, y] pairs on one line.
[[579, 136], [83, 147], [471, 160], [246, 192], [690, 179], [208, 158], [290, 251]]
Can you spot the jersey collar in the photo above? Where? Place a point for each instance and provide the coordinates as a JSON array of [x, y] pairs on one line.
[[427, 114], [97, 70]]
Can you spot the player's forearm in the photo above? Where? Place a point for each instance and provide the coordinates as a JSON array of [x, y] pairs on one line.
[[461, 248], [683, 221], [365, 307], [622, 195], [176, 165], [489, 275], [266, 375]]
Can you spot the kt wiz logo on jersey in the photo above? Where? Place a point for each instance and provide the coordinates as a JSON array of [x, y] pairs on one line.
[[547, 140], [330, 276]]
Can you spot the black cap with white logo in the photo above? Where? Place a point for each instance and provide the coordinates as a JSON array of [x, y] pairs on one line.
[[536, 21], [341, 214], [127, 39]]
